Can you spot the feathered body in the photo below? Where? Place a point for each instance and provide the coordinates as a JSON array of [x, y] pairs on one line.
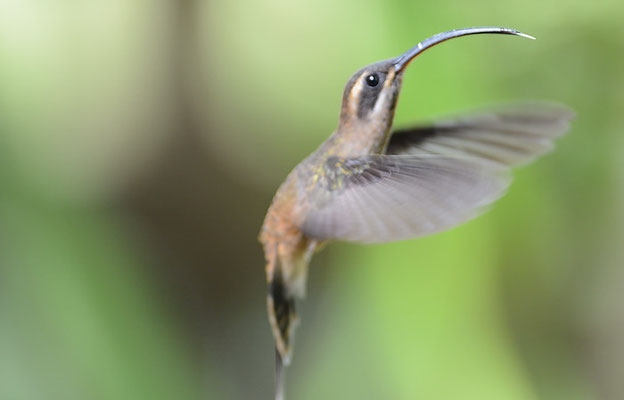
[[287, 248]]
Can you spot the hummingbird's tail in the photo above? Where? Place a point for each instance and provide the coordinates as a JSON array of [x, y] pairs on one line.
[[282, 316], [286, 281]]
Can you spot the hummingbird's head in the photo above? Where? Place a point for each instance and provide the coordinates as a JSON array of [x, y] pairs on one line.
[[371, 94]]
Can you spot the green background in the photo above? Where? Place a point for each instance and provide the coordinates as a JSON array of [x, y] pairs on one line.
[[141, 143]]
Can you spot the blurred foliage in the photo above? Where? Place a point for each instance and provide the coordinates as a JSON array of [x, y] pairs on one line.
[[141, 142]]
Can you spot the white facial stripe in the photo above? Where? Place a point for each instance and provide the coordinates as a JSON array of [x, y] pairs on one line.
[[355, 94]]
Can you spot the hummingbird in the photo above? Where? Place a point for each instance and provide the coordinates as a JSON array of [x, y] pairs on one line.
[[369, 184]]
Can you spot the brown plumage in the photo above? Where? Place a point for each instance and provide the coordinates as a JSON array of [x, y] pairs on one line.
[[365, 184]]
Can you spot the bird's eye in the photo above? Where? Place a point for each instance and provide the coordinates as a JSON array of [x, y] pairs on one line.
[[372, 80]]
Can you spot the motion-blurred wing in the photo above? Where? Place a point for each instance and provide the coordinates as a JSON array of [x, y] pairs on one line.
[[381, 198], [511, 135]]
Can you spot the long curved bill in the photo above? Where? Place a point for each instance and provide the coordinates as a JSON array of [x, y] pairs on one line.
[[403, 60]]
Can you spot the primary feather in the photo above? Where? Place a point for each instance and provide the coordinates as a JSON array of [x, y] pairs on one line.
[[510, 135]]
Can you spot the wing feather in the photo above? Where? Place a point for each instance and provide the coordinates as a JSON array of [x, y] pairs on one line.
[[384, 198]]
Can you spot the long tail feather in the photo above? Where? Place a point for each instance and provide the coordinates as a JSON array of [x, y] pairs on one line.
[[279, 377]]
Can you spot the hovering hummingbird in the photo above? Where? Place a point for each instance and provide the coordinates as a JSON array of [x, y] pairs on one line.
[[368, 184]]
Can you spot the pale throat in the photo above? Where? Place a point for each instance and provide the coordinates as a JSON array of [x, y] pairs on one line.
[[362, 138]]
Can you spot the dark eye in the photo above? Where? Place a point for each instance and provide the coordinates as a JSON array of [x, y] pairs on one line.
[[372, 80]]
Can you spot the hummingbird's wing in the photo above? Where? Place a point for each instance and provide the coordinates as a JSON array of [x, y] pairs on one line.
[[432, 178], [382, 198], [510, 135]]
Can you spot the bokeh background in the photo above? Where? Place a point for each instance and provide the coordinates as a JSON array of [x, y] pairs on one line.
[[141, 143]]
